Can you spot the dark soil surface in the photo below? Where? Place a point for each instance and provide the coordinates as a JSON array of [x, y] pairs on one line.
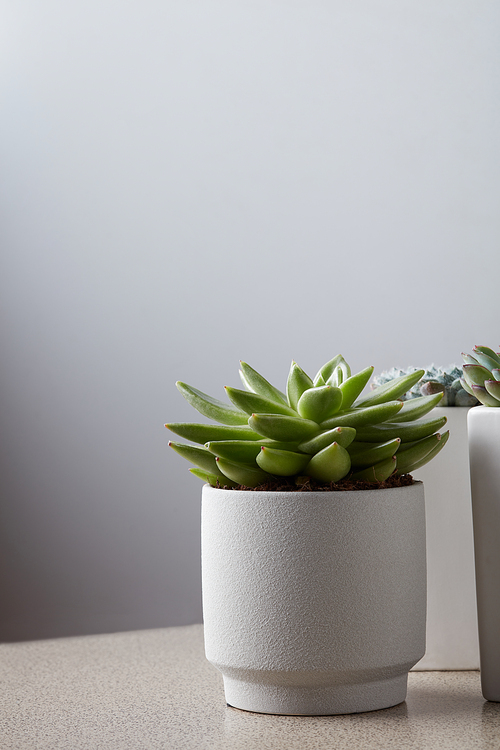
[[306, 484]]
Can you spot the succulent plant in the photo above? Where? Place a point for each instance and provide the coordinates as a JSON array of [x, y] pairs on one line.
[[446, 380], [481, 376], [322, 429]]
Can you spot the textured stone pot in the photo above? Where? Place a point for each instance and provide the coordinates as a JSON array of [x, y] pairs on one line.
[[314, 602], [484, 452], [452, 641]]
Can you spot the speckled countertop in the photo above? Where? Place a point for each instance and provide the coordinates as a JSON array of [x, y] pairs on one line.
[[154, 689]]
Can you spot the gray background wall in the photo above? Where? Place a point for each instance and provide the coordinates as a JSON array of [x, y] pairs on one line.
[[188, 183]]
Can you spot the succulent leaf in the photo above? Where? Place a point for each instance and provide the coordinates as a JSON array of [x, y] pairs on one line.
[[487, 352], [201, 457], [469, 359], [376, 473], [429, 456], [282, 463], [484, 396], [358, 417], [298, 382], [368, 454], [249, 476], [341, 435], [493, 388], [407, 459], [466, 387], [328, 369], [409, 444], [491, 363], [281, 445], [392, 390], [252, 402], [432, 387], [245, 381], [407, 431], [330, 464], [258, 384], [337, 377], [202, 433], [245, 452], [417, 407], [496, 373], [239, 451], [352, 387], [212, 407], [283, 428], [319, 403], [476, 374], [212, 479]]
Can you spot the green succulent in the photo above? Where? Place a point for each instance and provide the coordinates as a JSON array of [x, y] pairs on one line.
[[482, 375], [322, 428]]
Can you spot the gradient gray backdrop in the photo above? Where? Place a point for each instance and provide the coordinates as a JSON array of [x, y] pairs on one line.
[[187, 183]]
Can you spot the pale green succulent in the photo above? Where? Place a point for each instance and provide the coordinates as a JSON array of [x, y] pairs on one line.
[[322, 428], [482, 375], [446, 380]]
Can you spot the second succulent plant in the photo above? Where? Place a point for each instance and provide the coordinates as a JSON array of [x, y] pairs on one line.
[[322, 428], [481, 376], [447, 380]]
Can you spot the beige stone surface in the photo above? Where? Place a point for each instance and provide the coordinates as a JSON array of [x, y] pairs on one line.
[[154, 689]]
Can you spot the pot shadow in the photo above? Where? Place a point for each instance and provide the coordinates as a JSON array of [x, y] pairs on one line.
[[490, 723], [284, 732]]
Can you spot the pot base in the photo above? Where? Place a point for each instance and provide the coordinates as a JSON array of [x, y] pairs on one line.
[[320, 701]]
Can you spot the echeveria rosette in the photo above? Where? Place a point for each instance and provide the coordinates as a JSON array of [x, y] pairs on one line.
[[482, 375], [322, 428]]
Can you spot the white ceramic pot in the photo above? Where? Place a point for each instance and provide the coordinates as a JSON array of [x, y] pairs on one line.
[[484, 452], [314, 602], [452, 640]]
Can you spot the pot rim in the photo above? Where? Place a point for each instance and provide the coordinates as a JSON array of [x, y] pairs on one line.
[[305, 493]]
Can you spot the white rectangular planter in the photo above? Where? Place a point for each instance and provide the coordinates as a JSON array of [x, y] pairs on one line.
[[484, 447], [314, 602], [452, 637]]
